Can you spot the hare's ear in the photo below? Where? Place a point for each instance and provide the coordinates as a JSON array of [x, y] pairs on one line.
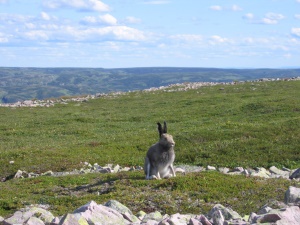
[[165, 130], [160, 130]]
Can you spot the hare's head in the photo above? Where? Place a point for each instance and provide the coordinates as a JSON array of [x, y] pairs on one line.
[[165, 139]]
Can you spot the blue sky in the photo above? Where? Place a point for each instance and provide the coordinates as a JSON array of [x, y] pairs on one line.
[[145, 33]]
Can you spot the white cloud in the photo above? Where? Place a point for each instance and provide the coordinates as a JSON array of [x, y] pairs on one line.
[[187, 37], [132, 20], [30, 25], [296, 31], [256, 41], [3, 1], [90, 5], [249, 16], [38, 35], [110, 33], [288, 55], [221, 8], [216, 8], [297, 16], [156, 2], [45, 16], [215, 39], [294, 41], [269, 19], [236, 8], [106, 19], [272, 18], [3, 38], [90, 19], [14, 18]]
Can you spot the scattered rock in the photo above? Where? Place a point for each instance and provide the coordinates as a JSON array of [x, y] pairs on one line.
[[218, 218], [292, 195], [295, 174], [261, 172], [238, 169], [268, 218], [113, 212], [264, 210], [177, 219], [223, 170], [127, 214], [34, 221], [24, 215], [194, 221], [21, 174], [73, 219], [156, 216], [279, 173], [211, 168], [99, 214], [140, 215], [203, 220], [273, 171], [227, 213]]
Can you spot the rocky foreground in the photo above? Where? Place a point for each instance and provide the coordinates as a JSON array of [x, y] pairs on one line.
[[114, 213]]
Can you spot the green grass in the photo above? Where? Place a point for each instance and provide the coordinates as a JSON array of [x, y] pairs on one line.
[[249, 125]]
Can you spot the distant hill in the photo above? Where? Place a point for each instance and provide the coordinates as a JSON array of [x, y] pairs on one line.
[[19, 83]]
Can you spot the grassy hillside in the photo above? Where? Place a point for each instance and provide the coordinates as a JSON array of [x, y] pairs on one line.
[[248, 124], [17, 84]]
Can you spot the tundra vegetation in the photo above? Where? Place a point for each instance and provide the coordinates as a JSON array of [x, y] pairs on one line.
[[252, 124]]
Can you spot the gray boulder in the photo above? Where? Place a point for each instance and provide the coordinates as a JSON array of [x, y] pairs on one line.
[[227, 213], [261, 172], [156, 216], [211, 168], [24, 215], [177, 219], [99, 214], [292, 195], [194, 221], [288, 216], [295, 174], [279, 173], [218, 218], [73, 219], [223, 170], [126, 212], [203, 220], [34, 221]]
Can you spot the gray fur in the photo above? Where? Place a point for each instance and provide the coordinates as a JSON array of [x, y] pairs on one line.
[[160, 156]]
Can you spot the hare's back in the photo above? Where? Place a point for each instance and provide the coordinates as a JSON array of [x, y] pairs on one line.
[[154, 150]]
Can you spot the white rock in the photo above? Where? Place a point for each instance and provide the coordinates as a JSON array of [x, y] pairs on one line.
[[211, 168]]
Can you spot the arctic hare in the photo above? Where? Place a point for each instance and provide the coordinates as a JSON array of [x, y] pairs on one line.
[[160, 156]]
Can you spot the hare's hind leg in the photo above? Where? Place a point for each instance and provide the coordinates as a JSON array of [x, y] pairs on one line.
[[150, 172], [154, 174], [172, 170], [147, 168]]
